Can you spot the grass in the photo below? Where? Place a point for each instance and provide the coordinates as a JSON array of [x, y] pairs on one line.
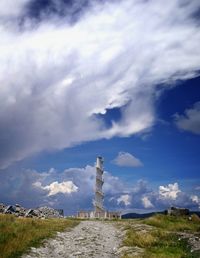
[[17, 235], [134, 238], [172, 223], [162, 241]]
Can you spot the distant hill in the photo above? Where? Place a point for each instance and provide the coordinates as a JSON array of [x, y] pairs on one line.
[[139, 216], [147, 215]]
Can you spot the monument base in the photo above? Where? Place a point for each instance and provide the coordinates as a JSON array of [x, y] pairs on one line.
[[99, 215]]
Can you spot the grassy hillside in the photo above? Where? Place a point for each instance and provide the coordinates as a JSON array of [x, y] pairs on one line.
[[172, 223], [18, 234], [158, 236]]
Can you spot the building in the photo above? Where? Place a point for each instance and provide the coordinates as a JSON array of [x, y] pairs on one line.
[[99, 211], [175, 211]]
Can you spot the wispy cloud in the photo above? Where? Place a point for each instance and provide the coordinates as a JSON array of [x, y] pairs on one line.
[[56, 76]]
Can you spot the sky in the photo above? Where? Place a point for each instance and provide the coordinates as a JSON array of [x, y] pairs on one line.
[[117, 79]]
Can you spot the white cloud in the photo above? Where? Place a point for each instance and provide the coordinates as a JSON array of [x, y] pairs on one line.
[[125, 199], [146, 202], [170, 191], [12, 8], [54, 77], [195, 198], [190, 121], [126, 159], [66, 187]]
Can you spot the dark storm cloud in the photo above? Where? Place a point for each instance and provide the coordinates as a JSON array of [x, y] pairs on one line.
[[66, 9], [73, 189]]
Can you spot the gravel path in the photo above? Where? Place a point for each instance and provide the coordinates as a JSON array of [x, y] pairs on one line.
[[95, 239]]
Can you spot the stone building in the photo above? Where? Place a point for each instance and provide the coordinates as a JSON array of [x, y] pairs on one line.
[[178, 211]]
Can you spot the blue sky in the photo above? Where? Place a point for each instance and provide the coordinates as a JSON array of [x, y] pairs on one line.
[[86, 78]]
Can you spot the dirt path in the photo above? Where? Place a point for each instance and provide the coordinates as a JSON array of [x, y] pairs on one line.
[[95, 239]]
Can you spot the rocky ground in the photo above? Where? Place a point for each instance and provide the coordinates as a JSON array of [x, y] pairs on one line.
[[95, 239], [193, 240]]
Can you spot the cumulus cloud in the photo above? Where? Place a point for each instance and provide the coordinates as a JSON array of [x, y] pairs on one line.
[[170, 191], [196, 199], [142, 198], [146, 202], [55, 77], [190, 121], [65, 187], [125, 199], [126, 159]]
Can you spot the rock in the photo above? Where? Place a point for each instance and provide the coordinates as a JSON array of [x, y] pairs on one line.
[[48, 212], [10, 209], [42, 212], [2, 207], [19, 210], [29, 213]]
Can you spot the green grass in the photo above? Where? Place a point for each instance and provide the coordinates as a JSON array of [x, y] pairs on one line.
[[161, 241], [172, 223], [17, 235]]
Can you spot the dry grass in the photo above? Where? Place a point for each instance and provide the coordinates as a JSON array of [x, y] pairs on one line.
[[172, 223], [142, 240], [160, 241], [17, 235]]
